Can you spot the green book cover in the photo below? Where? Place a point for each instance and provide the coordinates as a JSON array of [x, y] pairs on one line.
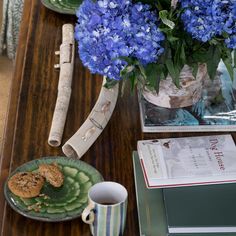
[[151, 211], [201, 209]]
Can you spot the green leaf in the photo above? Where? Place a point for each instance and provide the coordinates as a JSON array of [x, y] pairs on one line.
[[129, 60], [171, 69], [228, 63], [213, 41], [164, 18], [152, 71], [200, 56], [142, 71], [234, 55], [213, 60], [161, 4], [182, 54], [179, 58], [195, 69], [177, 73], [165, 72], [172, 38], [110, 83], [167, 31], [150, 2], [225, 35], [123, 72]]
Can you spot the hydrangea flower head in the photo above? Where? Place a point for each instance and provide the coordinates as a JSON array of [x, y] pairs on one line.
[[228, 10], [108, 30], [209, 18]]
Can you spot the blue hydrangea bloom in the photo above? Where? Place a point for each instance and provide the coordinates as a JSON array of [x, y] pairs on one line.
[[209, 18], [110, 29], [230, 25]]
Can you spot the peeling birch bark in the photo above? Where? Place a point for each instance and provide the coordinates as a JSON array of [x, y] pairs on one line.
[[187, 94], [93, 126], [67, 51]]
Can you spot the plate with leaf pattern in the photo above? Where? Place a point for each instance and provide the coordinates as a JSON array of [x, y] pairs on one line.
[[62, 6], [56, 204]]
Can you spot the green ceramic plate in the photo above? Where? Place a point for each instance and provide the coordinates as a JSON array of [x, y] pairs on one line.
[[62, 6], [56, 204]]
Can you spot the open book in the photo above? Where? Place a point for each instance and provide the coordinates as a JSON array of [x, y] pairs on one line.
[[188, 161]]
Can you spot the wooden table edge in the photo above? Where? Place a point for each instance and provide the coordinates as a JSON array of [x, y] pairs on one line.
[[13, 104]]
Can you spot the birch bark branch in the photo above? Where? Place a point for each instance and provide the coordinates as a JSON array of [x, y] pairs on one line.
[[67, 51], [97, 120]]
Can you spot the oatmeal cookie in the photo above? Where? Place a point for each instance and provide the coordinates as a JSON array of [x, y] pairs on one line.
[[26, 184], [52, 173]]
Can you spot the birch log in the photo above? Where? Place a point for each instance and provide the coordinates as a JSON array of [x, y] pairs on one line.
[[67, 50], [97, 120]]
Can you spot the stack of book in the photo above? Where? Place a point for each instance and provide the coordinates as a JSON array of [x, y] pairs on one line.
[[186, 186]]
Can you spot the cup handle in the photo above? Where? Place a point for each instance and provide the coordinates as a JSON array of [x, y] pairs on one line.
[[88, 212]]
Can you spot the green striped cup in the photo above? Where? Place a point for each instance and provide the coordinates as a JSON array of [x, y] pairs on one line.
[[106, 210]]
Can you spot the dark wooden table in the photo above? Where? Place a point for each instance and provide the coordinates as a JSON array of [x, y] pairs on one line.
[[33, 97]]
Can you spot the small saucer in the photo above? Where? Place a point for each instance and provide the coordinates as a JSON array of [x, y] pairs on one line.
[[56, 204], [62, 6]]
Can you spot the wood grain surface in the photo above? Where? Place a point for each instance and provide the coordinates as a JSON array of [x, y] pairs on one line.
[[33, 97]]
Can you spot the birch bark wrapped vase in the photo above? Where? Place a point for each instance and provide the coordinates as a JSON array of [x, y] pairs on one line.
[[188, 93]]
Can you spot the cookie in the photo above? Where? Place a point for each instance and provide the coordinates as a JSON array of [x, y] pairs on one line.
[[52, 173], [26, 184]]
